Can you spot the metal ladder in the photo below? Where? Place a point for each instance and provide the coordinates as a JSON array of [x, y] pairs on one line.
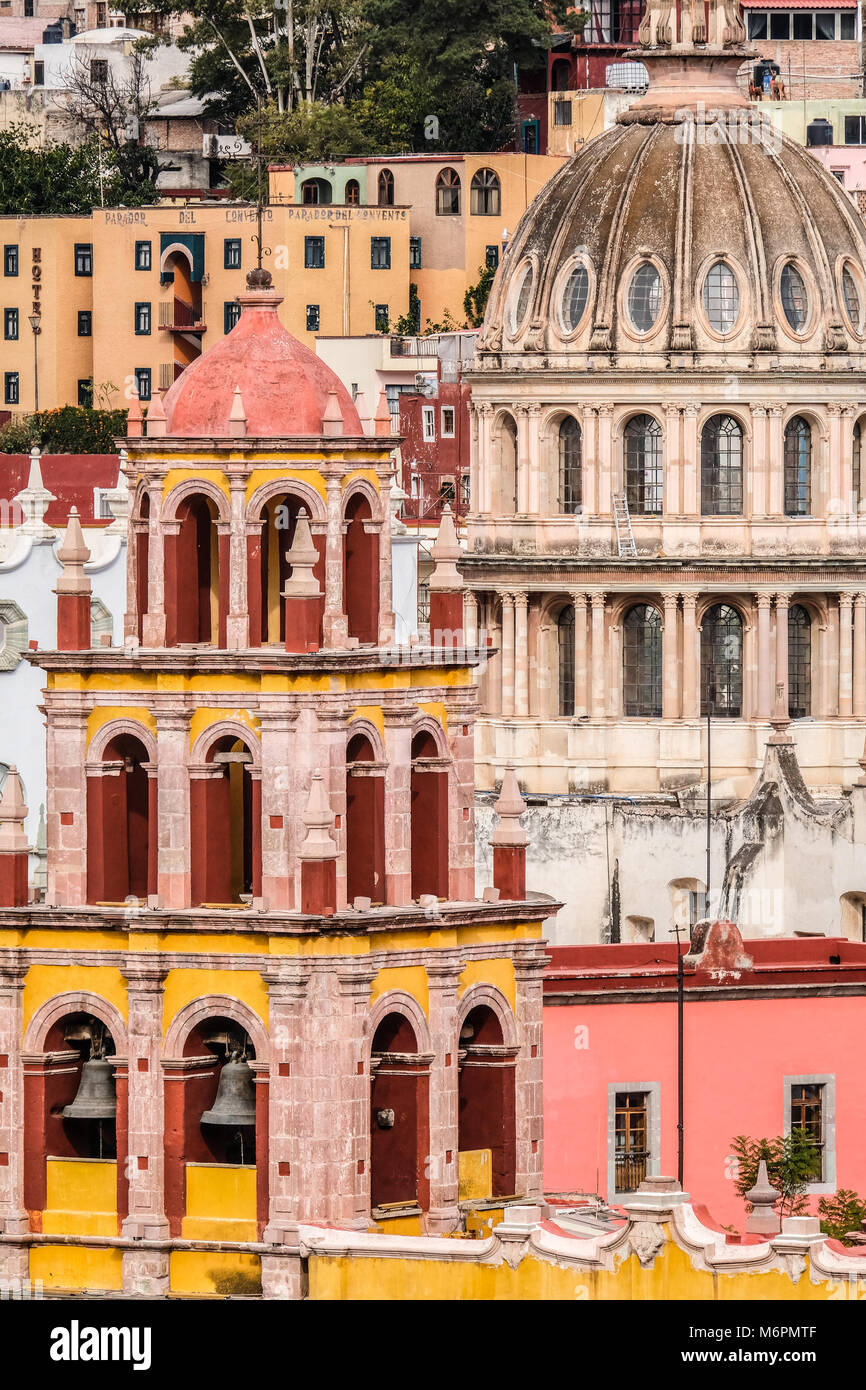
[[624, 539]]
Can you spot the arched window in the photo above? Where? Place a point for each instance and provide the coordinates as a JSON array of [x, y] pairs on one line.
[[565, 644], [799, 662], [225, 826], [119, 817], [365, 823], [314, 191], [399, 1117], [429, 819], [644, 469], [485, 194], [353, 193], [386, 189], [722, 467], [569, 466], [270, 569], [798, 467], [722, 662], [642, 662], [361, 571], [485, 1109], [506, 474], [448, 193], [194, 613]]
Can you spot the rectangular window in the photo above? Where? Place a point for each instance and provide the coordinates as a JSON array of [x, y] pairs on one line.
[[10, 260], [855, 130], [562, 113], [757, 26], [447, 492], [39, 74], [810, 1106], [312, 318], [142, 381], [634, 1135], [314, 253], [85, 323], [85, 392], [380, 253], [29, 8], [416, 490], [382, 318], [414, 253], [142, 319], [448, 422], [142, 255], [83, 258], [825, 25], [780, 26], [465, 492], [10, 323], [847, 26], [101, 505], [232, 253], [98, 71], [231, 314], [10, 388], [428, 423], [491, 257], [803, 26]]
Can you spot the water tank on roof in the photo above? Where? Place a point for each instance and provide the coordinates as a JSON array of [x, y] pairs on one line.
[[819, 132], [54, 33]]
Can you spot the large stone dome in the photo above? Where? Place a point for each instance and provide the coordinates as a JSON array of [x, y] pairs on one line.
[[683, 239]]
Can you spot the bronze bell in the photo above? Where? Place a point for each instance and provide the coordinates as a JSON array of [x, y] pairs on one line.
[[96, 1098], [235, 1103]]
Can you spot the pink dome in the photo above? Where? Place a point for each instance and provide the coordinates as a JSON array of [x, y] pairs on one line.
[[284, 387]]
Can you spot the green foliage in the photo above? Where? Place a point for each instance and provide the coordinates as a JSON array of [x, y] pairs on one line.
[[70, 429], [790, 1160], [842, 1213], [66, 178], [475, 298]]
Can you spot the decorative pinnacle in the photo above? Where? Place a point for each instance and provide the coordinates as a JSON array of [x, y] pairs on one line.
[[509, 807], [302, 556], [73, 555], [319, 820]]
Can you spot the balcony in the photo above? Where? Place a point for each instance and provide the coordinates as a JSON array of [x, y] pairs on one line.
[[177, 316]]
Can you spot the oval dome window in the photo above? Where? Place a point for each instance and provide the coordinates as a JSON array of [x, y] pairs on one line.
[[574, 297], [794, 299], [852, 300], [721, 297], [520, 301], [645, 297]]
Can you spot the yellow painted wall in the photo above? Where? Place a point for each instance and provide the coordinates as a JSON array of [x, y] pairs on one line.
[[45, 982], [76, 1267], [474, 1175], [410, 978], [105, 714], [490, 972], [81, 1197], [220, 1202], [205, 1272], [183, 986]]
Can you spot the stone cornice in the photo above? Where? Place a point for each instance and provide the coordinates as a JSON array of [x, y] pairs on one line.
[[491, 571], [255, 660]]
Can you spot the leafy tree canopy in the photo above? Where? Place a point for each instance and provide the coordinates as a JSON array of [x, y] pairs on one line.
[[791, 1165], [66, 178], [70, 429]]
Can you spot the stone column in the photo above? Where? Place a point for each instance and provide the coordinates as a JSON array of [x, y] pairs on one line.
[[66, 805], [173, 808], [153, 621], [386, 579], [599, 701], [145, 1272], [335, 622], [834, 501], [522, 462], [507, 654], [691, 657], [780, 695], [529, 963], [846, 601], [776, 456], [589, 467], [533, 427], [442, 982], [398, 806], [483, 500], [846, 463], [14, 1220], [581, 707], [281, 1269], [758, 470], [859, 703], [670, 659], [238, 620], [605, 460], [470, 619], [521, 656], [280, 809], [673, 484], [691, 470], [765, 697]]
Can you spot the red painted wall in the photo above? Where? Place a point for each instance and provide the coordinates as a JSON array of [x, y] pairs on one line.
[[433, 460], [71, 478]]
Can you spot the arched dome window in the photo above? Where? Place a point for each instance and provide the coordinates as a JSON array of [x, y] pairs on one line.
[[353, 193], [448, 193], [851, 297], [520, 299], [574, 298], [642, 662], [722, 467], [795, 301], [644, 469], [386, 189], [569, 466], [798, 467], [485, 194], [645, 297], [722, 662], [799, 662], [721, 297], [565, 648]]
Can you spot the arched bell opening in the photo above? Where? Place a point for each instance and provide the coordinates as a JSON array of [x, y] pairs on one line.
[[225, 827], [216, 1135], [75, 1130], [121, 824], [365, 822], [399, 1119], [279, 518], [194, 613], [486, 1108], [361, 571], [142, 544], [429, 815]]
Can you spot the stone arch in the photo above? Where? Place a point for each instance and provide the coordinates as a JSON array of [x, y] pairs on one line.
[[226, 728], [399, 1001], [736, 411], [175, 248], [493, 998], [621, 604], [192, 487], [215, 1006], [361, 725], [623, 414], [279, 487], [73, 1002], [426, 724], [353, 487], [126, 725]]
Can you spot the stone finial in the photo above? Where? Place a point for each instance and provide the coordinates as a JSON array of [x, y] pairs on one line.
[[332, 420], [763, 1219], [73, 556], [34, 501], [156, 421], [302, 555], [446, 551], [382, 418], [509, 807], [13, 813], [237, 416], [73, 590], [319, 820], [134, 417], [363, 412]]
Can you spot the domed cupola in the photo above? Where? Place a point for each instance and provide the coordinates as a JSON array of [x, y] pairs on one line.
[[692, 234], [285, 389]]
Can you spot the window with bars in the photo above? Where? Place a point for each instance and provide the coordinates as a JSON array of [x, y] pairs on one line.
[[10, 324], [10, 260], [232, 253], [644, 466], [485, 194], [85, 323], [798, 467], [142, 319], [142, 382], [415, 253], [631, 1139], [562, 112], [142, 255], [642, 662], [722, 467], [231, 314], [448, 193], [314, 253], [10, 388], [83, 258], [380, 253], [313, 318], [565, 643], [799, 662], [569, 466], [722, 662]]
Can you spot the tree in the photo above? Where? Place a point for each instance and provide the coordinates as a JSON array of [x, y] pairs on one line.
[[62, 178], [475, 298], [790, 1160], [70, 429], [842, 1214], [112, 105]]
